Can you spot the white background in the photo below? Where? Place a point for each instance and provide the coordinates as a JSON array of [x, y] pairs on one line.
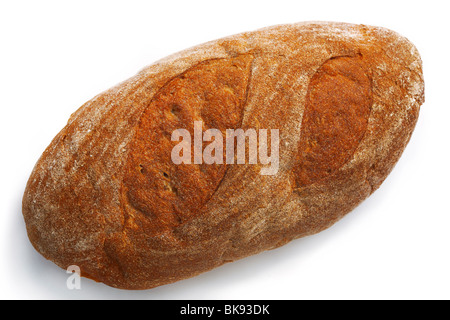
[[55, 55]]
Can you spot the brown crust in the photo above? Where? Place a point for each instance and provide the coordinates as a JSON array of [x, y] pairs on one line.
[[106, 197], [169, 194], [338, 103]]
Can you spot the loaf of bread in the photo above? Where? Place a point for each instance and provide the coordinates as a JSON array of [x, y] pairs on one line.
[[108, 196]]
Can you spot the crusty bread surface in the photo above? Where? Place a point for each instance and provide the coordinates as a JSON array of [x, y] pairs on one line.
[[106, 196]]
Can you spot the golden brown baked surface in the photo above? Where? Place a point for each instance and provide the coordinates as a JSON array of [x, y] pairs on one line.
[[106, 196]]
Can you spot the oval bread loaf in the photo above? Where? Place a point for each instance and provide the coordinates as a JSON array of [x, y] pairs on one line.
[[107, 195]]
